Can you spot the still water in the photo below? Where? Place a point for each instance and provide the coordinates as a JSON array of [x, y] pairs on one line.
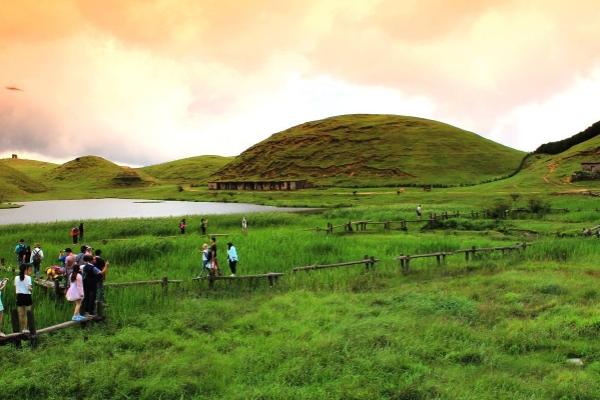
[[68, 210]]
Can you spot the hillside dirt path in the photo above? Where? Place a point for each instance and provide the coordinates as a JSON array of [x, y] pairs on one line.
[[551, 168]]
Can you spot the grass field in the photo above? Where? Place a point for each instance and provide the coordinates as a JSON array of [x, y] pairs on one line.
[[492, 328]]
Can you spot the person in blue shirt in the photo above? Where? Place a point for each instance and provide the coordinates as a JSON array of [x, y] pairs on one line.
[[232, 257]]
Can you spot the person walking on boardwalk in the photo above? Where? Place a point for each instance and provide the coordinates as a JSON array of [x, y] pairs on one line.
[[3, 283], [182, 225], [244, 226], [214, 263], [419, 211], [203, 226], [37, 256], [75, 234], [90, 284], [20, 251], [81, 231], [23, 288], [232, 257], [75, 292]]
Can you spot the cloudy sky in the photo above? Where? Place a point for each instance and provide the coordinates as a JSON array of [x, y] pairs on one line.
[[145, 81]]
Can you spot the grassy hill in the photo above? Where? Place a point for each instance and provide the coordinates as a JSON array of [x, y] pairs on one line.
[[14, 182], [553, 172], [374, 150], [97, 172], [187, 170]]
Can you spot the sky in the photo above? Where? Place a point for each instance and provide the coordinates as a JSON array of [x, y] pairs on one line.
[[147, 81]]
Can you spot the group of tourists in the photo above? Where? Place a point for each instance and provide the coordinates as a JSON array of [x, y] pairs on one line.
[[25, 255], [83, 275], [210, 263], [203, 229]]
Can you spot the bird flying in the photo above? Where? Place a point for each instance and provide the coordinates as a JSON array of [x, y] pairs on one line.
[[13, 88]]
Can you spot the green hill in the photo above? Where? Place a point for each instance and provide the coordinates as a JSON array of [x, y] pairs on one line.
[[96, 172], [374, 150], [558, 169], [187, 170], [14, 182]]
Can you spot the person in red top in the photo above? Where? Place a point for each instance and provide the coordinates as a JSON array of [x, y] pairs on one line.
[[75, 234]]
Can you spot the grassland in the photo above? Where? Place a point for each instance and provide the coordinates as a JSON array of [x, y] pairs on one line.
[[374, 150], [498, 327], [193, 170]]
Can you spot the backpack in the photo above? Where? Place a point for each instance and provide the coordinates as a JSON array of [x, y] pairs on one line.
[[20, 250], [37, 258]]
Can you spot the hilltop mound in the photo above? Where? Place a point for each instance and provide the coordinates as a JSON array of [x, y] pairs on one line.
[[97, 172], [14, 182], [187, 170], [372, 150]]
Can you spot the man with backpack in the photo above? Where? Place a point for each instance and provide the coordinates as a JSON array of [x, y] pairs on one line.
[[91, 275], [21, 251], [37, 256]]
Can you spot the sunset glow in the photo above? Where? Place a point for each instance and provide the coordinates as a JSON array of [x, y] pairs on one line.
[[142, 82]]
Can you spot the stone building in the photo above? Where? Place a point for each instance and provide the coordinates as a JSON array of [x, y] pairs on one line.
[[592, 167], [259, 185]]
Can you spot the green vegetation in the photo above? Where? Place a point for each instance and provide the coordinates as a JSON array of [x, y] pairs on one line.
[[497, 327], [374, 150], [193, 170], [565, 144]]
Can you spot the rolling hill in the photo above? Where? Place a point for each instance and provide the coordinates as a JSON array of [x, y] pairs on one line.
[[97, 172], [14, 182], [187, 170], [374, 150]]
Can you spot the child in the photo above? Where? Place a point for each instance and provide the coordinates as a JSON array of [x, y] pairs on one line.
[[2, 286], [182, 225], [75, 292]]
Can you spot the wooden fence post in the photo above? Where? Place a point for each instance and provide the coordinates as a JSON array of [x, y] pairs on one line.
[[31, 327], [165, 285], [16, 326]]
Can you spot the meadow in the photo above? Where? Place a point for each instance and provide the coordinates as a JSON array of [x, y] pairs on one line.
[[498, 326]]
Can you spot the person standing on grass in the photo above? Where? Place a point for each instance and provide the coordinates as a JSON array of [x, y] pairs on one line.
[[90, 284], [37, 256], [80, 255], [20, 251], [81, 231], [102, 265], [75, 292], [23, 289], [203, 226], [182, 225], [2, 286], [244, 226], [232, 257], [75, 234], [419, 211], [205, 259], [214, 263]]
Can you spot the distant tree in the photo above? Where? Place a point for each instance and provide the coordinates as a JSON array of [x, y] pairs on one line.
[[565, 144]]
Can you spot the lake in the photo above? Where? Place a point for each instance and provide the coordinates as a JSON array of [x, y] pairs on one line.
[[83, 210]]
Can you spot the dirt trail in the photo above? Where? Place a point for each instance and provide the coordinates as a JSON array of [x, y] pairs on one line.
[[551, 168]]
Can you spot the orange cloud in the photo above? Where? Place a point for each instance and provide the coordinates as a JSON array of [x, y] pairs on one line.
[[171, 78]]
